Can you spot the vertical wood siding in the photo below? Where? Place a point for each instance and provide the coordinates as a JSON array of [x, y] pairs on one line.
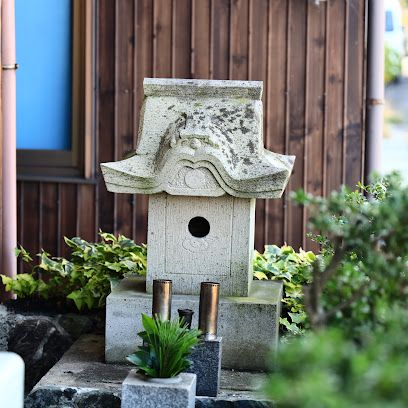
[[311, 59]]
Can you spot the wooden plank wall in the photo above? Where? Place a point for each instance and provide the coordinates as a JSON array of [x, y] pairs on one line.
[[311, 59]]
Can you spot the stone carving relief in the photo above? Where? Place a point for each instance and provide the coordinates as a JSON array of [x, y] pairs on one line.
[[195, 245], [189, 180], [194, 131]]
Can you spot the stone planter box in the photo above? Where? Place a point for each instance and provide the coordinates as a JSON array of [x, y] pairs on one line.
[[139, 392]]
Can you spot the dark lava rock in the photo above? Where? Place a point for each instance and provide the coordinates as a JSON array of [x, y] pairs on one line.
[[66, 398], [97, 399], [77, 325], [69, 397], [40, 341], [210, 403], [39, 306], [50, 398], [41, 335]]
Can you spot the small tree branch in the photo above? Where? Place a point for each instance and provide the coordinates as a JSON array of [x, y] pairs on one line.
[[334, 264], [313, 292], [341, 306]]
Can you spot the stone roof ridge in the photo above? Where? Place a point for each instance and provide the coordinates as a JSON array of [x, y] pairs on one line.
[[205, 146]]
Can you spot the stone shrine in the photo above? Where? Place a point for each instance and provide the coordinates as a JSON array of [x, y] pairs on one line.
[[201, 157]]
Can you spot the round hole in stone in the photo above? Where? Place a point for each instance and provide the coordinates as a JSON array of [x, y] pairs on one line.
[[199, 227]]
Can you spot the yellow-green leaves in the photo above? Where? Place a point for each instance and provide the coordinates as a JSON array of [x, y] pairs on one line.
[[23, 285], [20, 251], [294, 270], [85, 278]]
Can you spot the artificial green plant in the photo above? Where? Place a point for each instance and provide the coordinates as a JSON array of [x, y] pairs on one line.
[[166, 347]]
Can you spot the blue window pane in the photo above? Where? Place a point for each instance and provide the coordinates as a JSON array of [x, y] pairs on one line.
[[389, 24], [44, 77]]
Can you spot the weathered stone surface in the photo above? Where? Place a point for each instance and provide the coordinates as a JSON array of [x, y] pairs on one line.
[[55, 397], [193, 88], [41, 339], [248, 325], [209, 403], [82, 379], [206, 364], [138, 392], [201, 146], [4, 328], [77, 325], [204, 138], [224, 255]]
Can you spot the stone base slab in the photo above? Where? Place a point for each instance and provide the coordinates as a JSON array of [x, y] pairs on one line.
[[81, 379], [249, 325]]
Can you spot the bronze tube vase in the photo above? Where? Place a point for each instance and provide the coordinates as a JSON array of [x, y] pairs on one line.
[[162, 290], [208, 310]]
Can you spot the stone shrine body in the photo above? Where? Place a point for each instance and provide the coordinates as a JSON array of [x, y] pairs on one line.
[[201, 158]]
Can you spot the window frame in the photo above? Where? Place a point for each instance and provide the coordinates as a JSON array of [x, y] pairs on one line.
[[79, 162]]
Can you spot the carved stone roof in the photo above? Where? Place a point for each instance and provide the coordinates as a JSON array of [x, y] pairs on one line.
[[201, 138]]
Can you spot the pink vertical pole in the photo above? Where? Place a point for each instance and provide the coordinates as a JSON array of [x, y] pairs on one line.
[[8, 92], [375, 85]]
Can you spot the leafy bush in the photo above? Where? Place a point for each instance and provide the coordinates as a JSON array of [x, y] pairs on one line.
[[24, 285], [356, 303], [86, 277], [294, 270], [393, 64], [365, 241], [166, 347], [362, 264], [327, 369]]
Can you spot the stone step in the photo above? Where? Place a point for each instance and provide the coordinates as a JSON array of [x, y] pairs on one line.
[[82, 379]]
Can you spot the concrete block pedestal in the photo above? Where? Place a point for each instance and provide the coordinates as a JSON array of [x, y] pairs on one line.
[[177, 392], [249, 325]]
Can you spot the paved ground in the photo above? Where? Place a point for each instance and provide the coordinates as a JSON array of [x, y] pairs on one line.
[[395, 142], [81, 379]]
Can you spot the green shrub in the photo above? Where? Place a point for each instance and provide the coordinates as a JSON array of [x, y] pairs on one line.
[[327, 369], [362, 264], [294, 270], [166, 347], [86, 277], [24, 285], [365, 241], [393, 64]]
